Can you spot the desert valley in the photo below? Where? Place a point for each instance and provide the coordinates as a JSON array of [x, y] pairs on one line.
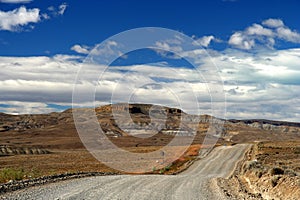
[[34, 146]]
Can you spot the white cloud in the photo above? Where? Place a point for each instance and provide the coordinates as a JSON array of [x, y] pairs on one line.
[[51, 8], [62, 8], [45, 16], [248, 38], [204, 41], [258, 36], [13, 20], [106, 49], [273, 23], [16, 19], [257, 29], [169, 46], [288, 35], [81, 49], [241, 41], [15, 1]]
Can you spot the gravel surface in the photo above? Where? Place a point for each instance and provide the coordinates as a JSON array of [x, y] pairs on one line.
[[195, 183]]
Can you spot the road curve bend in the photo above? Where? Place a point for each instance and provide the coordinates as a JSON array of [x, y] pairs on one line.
[[194, 183]]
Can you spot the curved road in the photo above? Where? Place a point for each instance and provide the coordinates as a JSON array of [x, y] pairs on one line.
[[195, 183]]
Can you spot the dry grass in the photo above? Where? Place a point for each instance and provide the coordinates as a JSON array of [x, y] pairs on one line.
[[279, 155], [78, 161], [7, 174]]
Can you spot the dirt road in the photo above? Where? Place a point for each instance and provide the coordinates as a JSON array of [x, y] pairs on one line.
[[195, 183]]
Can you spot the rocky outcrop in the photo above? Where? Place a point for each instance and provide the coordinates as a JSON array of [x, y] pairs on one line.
[[138, 108], [10, 150], [143, 119]]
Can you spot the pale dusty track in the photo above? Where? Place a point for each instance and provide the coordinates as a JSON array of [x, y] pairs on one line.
[[194, 183]]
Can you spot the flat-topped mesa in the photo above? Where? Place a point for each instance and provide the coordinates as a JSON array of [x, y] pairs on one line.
[[137, 108]]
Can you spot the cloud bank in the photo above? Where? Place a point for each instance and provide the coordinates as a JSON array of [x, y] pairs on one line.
[[257, 84]]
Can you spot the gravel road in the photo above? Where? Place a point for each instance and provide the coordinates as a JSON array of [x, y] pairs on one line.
[[195, 183]]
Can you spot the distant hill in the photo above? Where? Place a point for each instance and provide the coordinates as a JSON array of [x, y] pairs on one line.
[[150, 119]]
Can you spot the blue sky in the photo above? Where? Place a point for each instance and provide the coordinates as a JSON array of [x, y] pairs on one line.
[[255, 44], [91, 22]]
